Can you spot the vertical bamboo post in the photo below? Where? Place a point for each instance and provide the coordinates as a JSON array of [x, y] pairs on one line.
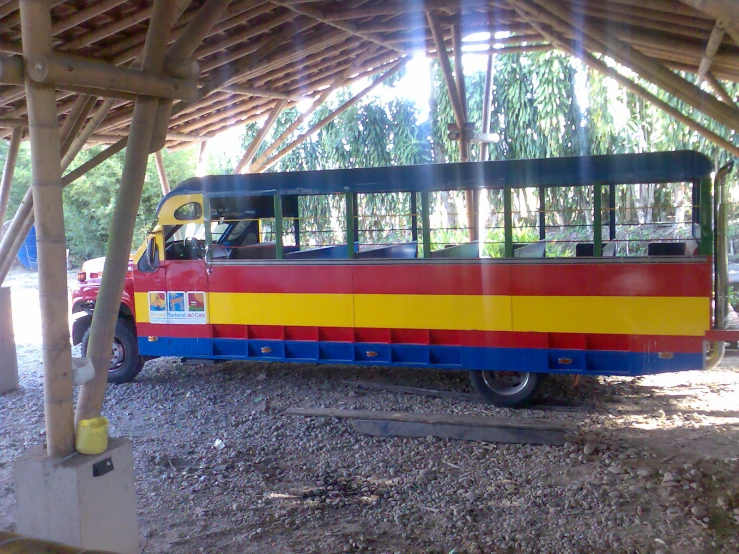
[[52, 257], [162, 171], [414, 216], [124, 216], [9, 170]]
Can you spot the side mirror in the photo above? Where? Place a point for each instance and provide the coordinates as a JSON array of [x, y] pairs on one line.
[[150, 260]]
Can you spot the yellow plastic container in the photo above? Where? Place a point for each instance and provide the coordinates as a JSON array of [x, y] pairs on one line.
[[92, 435]]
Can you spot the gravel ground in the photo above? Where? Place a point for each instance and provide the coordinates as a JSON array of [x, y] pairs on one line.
[[653, 467]]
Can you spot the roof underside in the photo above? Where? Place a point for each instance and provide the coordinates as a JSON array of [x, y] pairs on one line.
[[298, 48]]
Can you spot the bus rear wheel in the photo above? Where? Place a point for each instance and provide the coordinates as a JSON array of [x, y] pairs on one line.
[[506, 389], [125, 362]]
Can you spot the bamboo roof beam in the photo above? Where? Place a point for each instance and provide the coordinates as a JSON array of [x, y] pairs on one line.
[[637, 13], [75, 120], [724, 11], [712, 46], [251, 150], [65, 70], [719, 89], [112, 28], [646, 67], [576, 48], [349, 28], [237, 13], [262, 92], [326, 120], [338, 82]]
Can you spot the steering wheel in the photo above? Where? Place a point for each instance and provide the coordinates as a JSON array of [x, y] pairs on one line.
[[194, 248]]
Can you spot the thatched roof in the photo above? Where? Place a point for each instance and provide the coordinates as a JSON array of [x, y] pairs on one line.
[[263, 51]]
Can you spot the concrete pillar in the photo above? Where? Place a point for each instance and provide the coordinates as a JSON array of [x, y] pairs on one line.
[[8, 359], [87, 502]]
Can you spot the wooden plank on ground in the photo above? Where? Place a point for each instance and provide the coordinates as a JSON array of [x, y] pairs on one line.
[[454, 395], [514, 435], [444, 419]]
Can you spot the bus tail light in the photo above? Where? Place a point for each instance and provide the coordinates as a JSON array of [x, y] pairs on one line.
[[82, 276]]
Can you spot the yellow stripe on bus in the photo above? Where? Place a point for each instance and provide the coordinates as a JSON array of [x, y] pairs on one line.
[[311, 310], [622, 315]]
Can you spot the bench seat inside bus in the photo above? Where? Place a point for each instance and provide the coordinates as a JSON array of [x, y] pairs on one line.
[[336, 251], [396, 251], [260, 251], [533, 250], [682, 248], [585, 249], [468, 250]]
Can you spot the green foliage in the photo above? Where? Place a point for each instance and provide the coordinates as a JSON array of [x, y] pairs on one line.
[[89, 202]]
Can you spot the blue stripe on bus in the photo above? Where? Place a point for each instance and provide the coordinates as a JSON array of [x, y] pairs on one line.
[[601, 362]]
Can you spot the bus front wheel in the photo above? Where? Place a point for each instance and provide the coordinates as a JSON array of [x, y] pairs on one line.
[[125, 362], [506, 389]]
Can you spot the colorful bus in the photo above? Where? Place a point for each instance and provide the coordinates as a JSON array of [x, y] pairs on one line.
[[357, 267]]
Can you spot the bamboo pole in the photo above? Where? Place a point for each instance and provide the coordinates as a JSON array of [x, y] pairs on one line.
[[264, 93], [66, 70], [52, 256], [76, 124], [726, 11], [718, 88], [162, 171], [9, 170], [246, 159], [576, 49], [180, 53], [108, 301], [326, 120], [594, 38], [487, 101], [446, 69], [340, 80], [79, 139], [712, 46]]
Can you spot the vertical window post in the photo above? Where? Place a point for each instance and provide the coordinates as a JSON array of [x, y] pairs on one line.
[[414, 217], [597, 220], [705, 210], [350, 229], [426, 222], [208, 230], [542, 213], [508, 222], [612, 211], [278, 227]]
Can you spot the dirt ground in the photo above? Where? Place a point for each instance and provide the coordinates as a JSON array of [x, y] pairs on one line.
[[650, 466]]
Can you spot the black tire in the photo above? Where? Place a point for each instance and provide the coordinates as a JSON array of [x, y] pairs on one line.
[[126, 348], [505, 389]]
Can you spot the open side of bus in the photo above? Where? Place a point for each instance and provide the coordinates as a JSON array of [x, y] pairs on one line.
[[239, 268]]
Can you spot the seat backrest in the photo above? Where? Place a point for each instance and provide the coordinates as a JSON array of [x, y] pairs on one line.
[[666, 249], [534, 250], [323, 252], [219, 252], [467, 250], [586, 249], [407, 250], [261, 251]]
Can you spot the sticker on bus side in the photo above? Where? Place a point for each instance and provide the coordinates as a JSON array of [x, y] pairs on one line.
[[183, 307]]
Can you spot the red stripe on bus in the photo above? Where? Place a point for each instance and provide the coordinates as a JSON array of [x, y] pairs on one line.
[[499, 339], [689, 279]]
